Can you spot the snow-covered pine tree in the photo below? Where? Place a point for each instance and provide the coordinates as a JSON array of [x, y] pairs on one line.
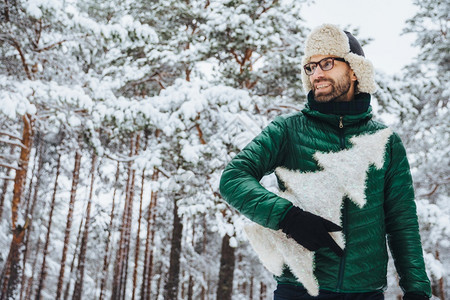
[[49, 76], [28, 48], [426, 129], [258, 45]]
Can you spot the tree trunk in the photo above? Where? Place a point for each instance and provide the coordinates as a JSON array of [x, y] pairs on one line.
[[136, 253], [190, 292], [12, 265], [21, 174], [47, 239], [262, 291], [159, 283], [171, 287], [116, 287], [72, 265], [3, 193], [440, 284], [129, 223], [227, 264], [182, 285], [30, 212], [106, 257], [150, 260], [144, 284], [73, 192], [148, 256], [5, 187], [190, 289], [11, 271], [120, 270], [37, 162], [78, 289], [29, 284], [204, 242]]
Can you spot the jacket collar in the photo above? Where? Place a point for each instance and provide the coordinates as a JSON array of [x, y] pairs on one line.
[[359, 105], [335, 113]]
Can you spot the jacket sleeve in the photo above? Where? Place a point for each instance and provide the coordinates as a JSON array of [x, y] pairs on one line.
[[401, 223], [239, 184]]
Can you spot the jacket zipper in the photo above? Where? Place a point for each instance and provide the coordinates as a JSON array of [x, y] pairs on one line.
[[344, 216], [341, 133]]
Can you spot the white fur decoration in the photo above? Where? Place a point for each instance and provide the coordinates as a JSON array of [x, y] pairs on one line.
[[344, 174]]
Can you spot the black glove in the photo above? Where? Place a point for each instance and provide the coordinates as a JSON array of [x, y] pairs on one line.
[[310, 231], [412, 296]]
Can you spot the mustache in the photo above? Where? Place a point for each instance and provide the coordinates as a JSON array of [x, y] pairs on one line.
[[316, 81]]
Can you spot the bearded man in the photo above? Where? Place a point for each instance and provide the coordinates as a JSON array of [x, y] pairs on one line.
[[339, 81]]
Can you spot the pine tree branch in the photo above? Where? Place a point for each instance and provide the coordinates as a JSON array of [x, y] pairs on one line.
[[265, 9], [6, 11], [16, 45], [9, 166], [236, 57], [50, 46], [13, 143], [10, 135]]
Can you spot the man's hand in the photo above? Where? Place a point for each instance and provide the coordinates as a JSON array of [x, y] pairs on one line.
[[310, 231]]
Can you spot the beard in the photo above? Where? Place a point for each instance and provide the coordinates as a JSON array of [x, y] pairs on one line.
[[339, 90]]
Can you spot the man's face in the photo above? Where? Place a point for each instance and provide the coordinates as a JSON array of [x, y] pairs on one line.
[[337, 83]]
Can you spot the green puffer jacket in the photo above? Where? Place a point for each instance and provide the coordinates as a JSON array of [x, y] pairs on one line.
[[290, 141]]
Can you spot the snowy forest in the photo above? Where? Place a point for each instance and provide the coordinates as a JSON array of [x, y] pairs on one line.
[[118, 117]]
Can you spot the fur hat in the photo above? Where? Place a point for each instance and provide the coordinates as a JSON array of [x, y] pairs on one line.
[[330, 40]]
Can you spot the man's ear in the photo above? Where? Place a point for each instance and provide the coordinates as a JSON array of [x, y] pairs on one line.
[[354, 77]]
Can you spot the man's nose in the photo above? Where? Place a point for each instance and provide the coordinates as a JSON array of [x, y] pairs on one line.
[[318, 73]]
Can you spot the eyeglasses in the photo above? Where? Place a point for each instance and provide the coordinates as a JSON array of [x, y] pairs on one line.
[[325, 64]]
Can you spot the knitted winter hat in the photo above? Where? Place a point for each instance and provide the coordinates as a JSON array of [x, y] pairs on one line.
[[330, 40]]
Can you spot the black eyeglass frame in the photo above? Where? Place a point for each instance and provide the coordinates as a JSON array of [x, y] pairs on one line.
[[319, 63]]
